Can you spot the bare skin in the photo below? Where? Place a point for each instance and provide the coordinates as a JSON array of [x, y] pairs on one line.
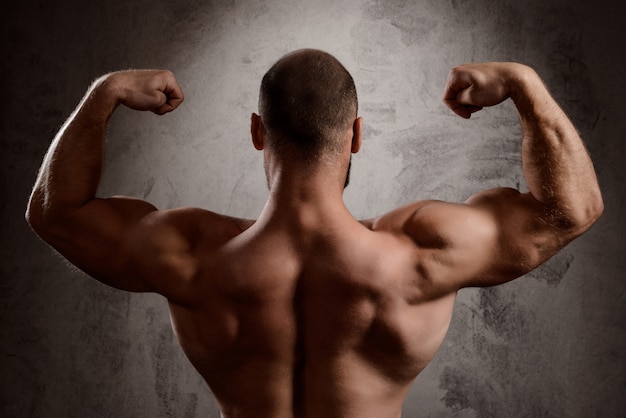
[[308, 312]]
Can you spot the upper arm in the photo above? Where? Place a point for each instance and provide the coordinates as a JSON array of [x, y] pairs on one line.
[[495, 236], [96, 238], [126, 243], [93, 237]]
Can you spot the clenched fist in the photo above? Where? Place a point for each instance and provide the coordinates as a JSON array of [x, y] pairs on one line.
[[153, 90], [471, 87]]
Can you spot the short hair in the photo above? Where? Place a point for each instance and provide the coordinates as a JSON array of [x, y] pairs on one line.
[[307, 99]]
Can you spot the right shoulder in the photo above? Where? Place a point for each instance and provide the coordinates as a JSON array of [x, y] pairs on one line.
[[495, 236], [403, 219], [453, 241], [434, 223]]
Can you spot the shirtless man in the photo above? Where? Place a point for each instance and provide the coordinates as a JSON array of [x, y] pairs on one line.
[[308, 312]]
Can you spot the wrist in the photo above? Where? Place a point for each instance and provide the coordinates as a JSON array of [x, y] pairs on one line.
[[521, 81], [102, 98], [529, 94]]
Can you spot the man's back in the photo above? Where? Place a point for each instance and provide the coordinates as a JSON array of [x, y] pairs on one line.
[[308, 312], [330, 319]]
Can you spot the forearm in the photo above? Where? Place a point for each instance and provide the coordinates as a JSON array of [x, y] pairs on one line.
[[557, 167], [71, 169]]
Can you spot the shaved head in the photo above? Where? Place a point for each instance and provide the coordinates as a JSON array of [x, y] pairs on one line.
[[307, 100]]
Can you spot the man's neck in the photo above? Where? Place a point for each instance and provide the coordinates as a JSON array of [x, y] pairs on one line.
[[305, 198]]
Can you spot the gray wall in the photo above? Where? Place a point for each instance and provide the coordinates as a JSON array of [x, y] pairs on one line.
[[551, 344]]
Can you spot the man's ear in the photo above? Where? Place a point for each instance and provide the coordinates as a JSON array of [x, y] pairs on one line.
[[256, 131], [356, 135]]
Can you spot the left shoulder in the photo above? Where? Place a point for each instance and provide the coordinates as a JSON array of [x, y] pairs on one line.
[[167, 248], [198, 225]]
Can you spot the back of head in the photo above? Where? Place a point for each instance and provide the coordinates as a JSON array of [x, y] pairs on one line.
[[307, 101]]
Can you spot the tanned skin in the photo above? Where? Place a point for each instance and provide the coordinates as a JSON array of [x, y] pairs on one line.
[[308, 312]]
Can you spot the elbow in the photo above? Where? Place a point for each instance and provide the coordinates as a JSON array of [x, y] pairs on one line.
[[33, 211], [38, 219], [584, 216], [34, 217], [593, 210], [596, 208]]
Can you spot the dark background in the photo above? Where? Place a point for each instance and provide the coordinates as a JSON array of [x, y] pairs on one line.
[[550, 344]]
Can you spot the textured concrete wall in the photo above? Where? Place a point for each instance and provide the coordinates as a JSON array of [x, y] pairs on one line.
[[551, 344]]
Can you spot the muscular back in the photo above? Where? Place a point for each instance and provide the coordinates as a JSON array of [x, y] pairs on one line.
[[321, 322], [326, 318]]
